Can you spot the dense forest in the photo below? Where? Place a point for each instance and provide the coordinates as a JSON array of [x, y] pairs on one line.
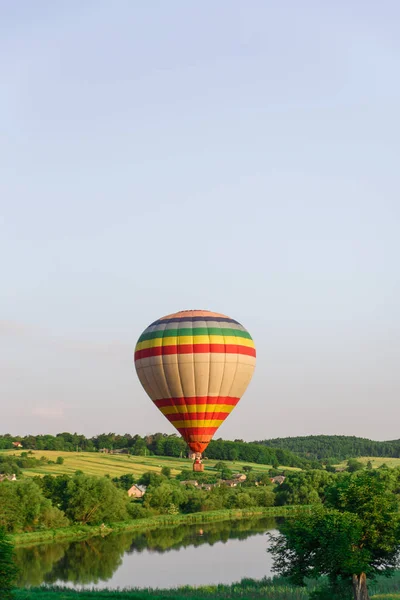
[[334, 447], [159, 444]]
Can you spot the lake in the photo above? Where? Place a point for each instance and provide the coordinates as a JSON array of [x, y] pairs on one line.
[[186, 555]]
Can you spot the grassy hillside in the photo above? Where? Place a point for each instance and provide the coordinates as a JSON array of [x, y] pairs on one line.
[[95, 463], [376, 462]]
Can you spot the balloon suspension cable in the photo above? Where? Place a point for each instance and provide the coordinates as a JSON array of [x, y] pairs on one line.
[[198, 463]]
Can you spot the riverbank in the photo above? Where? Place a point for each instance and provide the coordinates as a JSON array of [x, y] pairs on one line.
[[81, 532], [247, 589], [276, 589]]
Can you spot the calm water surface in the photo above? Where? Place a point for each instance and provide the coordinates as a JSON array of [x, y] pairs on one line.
[[185, 555]]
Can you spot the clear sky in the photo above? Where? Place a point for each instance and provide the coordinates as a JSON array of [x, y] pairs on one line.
[[241, 157]]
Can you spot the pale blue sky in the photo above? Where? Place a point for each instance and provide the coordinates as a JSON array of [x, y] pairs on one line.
[[236, 156]]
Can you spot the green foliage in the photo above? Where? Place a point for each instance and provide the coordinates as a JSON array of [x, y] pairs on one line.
[[226, 474], [201, 477], [60, 460], [125, 481], [158, 444], [303, 487], [23, 507], [55, 488], [220, 465], [222, 450], [356, 533], [136, 510], [95, 500], [162, 496], [8, 570], [354, 465], [337, 447], [166, 471], [266, 589], [151, 478]]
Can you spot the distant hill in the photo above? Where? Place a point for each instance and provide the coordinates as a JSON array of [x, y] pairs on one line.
[[335, 447]]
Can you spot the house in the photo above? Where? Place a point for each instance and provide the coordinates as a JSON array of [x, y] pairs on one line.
[[278, 479], [12, 477], [240, 477], [137, 491], [230, 482], [192, 482], [207, 486], [17, 445]]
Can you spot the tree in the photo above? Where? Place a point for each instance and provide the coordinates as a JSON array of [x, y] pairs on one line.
[[274, 463], [166, 471], [125, 481], [247, 468], [163, 496], [220, 466], [354, 465], [24, 507], [226, 474], [60, 460], [8, 570], [95, 500], [353, 537]]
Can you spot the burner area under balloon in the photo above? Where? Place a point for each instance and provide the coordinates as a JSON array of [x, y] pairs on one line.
[[198, 464]]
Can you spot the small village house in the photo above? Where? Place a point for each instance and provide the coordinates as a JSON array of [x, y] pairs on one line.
[[137, 491], [278, 479], [240, 477], [17, 445], [12, 477], [230, 482]]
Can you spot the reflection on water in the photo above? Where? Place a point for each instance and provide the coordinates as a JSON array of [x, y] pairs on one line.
[[188, 554]]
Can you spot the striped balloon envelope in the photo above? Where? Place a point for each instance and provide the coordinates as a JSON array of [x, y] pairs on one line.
[[195, 365]]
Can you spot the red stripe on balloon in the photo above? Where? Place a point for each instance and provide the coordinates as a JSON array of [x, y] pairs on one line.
[[202, 416], [193, 400], [187, 432], [195, 349]]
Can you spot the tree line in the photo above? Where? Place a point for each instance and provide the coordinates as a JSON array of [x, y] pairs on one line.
[[159, 444], [49, 502], [334, 448]]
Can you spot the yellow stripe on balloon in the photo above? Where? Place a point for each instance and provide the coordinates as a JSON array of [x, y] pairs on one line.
[[197, 408], [197, 339], [198, 423]]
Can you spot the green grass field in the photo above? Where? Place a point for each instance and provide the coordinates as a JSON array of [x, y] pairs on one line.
[[376, 461], [272, 589], [95, 463]]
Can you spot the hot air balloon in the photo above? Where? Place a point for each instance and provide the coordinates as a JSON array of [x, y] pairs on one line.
[[195, 365]]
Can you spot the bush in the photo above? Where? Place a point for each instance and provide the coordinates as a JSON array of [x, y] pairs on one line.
[[8, 570]]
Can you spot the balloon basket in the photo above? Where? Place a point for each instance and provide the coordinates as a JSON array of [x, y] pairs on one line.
[[198, 467]]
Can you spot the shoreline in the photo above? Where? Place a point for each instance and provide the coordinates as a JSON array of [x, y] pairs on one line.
[[82, 532]]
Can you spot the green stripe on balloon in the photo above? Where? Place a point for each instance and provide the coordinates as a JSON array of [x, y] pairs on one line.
[[161, 333]]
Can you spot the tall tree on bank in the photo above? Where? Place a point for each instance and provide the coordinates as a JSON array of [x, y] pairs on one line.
[[8, 570], [351, 539]]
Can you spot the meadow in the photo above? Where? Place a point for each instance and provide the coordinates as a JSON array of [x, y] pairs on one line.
[[115, 465], [375, 461]]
